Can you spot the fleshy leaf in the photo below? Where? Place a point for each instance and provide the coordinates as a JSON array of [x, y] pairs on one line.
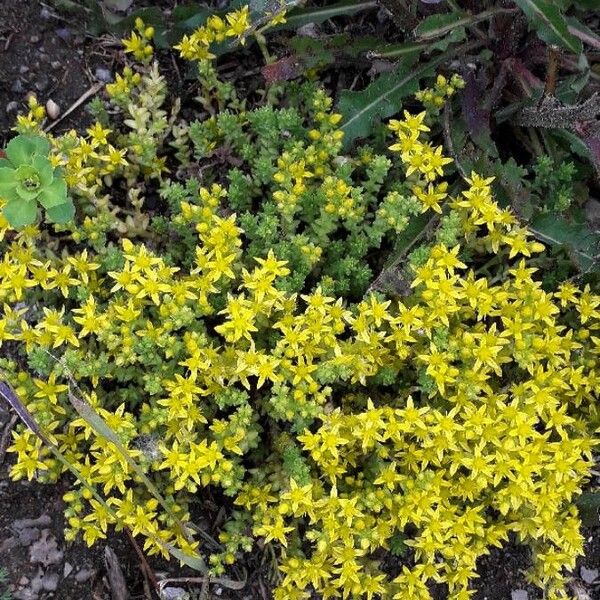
[[54, 194], [20, 213], [8, 183], [44, 168], [62, 213], [20, 150]]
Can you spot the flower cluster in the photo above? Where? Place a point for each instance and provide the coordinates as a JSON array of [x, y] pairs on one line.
[[217, 30], [139, 42], [434, 98], [215, 327]]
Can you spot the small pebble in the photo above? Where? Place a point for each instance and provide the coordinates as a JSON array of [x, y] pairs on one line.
[[103, 74], [42, 83], [56, 64], [12, 107], [45, 13], [173, 593], [23, 69], [519, 595], [68, 569], [588, 575], [34, 39], [52, 109], [17, 86], [24, 580], [64, 33], [83, 575], [50, 582]]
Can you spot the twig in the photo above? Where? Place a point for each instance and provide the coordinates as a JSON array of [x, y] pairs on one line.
[[228, 583], [449, 142], [87, 94], [146, 569], [552, 71], [5, 439]]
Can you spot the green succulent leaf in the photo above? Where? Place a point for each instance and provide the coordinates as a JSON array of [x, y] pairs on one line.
[[54, 194], [28, 182], [20, 213], [44, 169], [7, 183], [63, 213], [20, 150]]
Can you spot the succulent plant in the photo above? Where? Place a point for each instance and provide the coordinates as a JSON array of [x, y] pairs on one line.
[[28, 178]]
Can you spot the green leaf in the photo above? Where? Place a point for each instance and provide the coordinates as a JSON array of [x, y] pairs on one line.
[[61, 214], [441, 24], [438, 25], [21, 149], [8, 183], [302, 16], [54, 195], [589, 505], [185, 20], [549, 23], [582, 243], [381, 99], [44, 169], [397, 51], [584, 33], [20, 213]]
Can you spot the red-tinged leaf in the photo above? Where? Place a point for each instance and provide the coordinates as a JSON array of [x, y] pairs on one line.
[[286, 68], [529, 82], [476, 113]]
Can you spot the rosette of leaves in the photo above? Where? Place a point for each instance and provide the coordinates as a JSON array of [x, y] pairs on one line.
[[28, 179]]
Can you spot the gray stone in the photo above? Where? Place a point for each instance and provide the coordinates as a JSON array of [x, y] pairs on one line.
[[41, 521], [588, 575], [28, 535], [50, 582], [42, 83], [83, 575], [519, 595], [17, 86], [103, 74], [45, 550], [174, 593]]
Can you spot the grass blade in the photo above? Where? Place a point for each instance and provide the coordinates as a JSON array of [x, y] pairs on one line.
[[550, 24]]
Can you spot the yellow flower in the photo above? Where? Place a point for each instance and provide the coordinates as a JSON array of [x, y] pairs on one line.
[[239, 22]]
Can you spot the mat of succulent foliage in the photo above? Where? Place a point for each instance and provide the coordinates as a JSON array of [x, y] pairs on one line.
[[228, 339]]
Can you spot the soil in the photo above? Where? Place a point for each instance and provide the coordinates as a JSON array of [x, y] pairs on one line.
[[45, 54]]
